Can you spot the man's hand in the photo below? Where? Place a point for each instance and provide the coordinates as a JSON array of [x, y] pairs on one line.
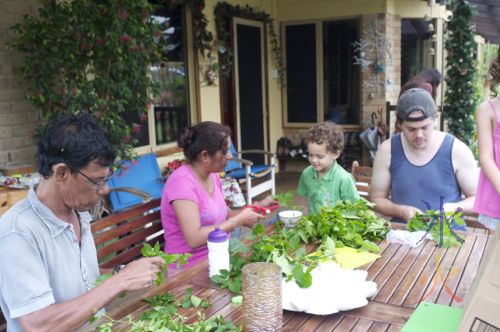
[[451, 207], [407, 212], [140, 273]]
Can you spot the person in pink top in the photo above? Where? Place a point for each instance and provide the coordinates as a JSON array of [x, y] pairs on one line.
[[488, 134], [193, 201]]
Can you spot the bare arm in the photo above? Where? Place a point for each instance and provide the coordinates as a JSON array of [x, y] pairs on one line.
[[381, 185], [467, 174], [195, 234], [69, 315], [485, 124]]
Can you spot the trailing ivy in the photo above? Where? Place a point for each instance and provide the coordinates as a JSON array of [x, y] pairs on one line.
[[460, 69], [223, 13]]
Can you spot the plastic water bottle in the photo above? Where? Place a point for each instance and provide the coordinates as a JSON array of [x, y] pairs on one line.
[[218, 252]]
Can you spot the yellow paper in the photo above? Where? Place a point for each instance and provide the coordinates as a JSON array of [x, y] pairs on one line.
[[350, 258]]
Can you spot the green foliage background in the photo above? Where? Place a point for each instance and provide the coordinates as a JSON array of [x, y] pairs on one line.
[[90, 55], [461, 71]]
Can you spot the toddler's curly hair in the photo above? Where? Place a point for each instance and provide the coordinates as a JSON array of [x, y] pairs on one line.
[[329, 133]]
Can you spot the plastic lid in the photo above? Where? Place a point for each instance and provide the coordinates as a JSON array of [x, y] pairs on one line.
[[217, 235]]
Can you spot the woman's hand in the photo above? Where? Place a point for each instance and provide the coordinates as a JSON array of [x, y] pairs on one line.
[[268, 201], [247, 217]]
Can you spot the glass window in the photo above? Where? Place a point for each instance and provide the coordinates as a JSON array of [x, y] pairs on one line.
[[416, 45], [171, 106], [341, 76], [321, 49]]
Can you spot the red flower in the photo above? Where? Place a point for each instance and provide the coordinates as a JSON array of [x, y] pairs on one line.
[[143, 117], [84, 47], [125, 38], [98, 115], [157, 34], [122, 14], [136, 128], [100, 41], [126, 139]]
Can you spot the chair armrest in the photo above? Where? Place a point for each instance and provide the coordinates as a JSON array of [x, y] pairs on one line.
[[272, 154], [246, 162], [146, 197]]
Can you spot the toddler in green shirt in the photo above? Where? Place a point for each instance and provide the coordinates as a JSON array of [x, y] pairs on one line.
[[325, 182]]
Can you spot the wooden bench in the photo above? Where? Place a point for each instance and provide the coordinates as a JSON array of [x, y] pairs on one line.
[[119, 237]]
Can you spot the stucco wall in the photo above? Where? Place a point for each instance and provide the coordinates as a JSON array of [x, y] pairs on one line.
[[17, 117]]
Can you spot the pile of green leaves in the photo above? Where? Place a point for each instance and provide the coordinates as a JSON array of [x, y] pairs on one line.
[[440, 231], [164, 315], [346, 224]]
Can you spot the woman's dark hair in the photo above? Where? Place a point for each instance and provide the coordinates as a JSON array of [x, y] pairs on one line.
[[75, 140], [495, 73], [430, 76], [207, 135]]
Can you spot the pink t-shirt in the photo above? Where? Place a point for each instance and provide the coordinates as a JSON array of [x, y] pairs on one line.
[[487, 198], [184, 184]]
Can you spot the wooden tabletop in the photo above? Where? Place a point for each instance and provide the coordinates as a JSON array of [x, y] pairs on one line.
[[404, 276]]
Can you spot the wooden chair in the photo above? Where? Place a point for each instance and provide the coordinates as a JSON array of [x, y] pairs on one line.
[[362, 177], [119, 237]]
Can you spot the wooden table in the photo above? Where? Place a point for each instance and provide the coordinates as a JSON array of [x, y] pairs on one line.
[[404, 276]]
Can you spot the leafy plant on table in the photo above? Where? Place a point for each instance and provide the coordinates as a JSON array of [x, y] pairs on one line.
[[148, 251], [286, 201], [350, 224], [164, 315], [422, 222]]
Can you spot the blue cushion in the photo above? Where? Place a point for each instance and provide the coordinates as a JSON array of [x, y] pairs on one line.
[[240, 173], [143, 174]]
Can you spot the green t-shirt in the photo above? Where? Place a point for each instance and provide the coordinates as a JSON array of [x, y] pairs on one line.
[[336, 185]]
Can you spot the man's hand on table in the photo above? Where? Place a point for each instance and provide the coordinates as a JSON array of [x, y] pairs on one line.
[[407, 212], [139, 274]]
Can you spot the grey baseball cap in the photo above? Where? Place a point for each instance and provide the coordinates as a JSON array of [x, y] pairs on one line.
[[416, 100]]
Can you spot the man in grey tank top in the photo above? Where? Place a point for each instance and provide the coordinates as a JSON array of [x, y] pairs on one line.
[[422, 168]]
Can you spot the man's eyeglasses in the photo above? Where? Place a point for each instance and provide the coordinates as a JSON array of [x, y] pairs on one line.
[[97, 183]]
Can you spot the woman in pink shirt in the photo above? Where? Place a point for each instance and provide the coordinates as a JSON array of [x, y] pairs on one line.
[[193, 201], [488, 135]]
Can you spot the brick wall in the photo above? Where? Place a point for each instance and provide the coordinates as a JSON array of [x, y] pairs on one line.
[[17, 117]]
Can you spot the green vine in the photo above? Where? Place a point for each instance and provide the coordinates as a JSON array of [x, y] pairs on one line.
[[202, 37], [461, 69], [223, 13], [91, 56]]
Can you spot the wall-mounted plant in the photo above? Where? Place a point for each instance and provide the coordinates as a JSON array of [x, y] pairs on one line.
[[223, 13]]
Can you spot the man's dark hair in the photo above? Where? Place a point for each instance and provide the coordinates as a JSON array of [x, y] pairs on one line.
[[75, 140], [210, 136]]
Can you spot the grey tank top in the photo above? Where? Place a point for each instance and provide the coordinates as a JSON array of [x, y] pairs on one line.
[[414, 185]]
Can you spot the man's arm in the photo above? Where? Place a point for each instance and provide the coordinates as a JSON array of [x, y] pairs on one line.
[[381, 186], [70, 315], [467, 173]]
